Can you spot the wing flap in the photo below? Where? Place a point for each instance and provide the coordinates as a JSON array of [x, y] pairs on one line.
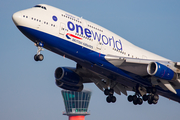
[[116, 90], [168, 86], [101, 85], [122, 89]]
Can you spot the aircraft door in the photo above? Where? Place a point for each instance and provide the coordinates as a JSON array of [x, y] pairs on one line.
[[62, 30]]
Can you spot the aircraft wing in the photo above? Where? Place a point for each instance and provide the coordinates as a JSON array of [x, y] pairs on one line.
[[88, 76], [101, 81], [136, 66], [142, 67]]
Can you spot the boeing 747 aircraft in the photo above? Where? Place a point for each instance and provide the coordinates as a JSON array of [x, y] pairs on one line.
[[114, 64]]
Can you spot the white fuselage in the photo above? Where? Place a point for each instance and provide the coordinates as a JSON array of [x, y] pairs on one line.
[[59, 23]]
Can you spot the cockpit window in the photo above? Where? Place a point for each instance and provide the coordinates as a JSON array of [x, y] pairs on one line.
[[40, 7]]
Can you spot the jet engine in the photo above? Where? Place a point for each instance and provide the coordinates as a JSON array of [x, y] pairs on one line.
[[161, 71], [68, 79], [69, 87]]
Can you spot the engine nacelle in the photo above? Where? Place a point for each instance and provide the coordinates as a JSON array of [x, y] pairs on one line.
[[69, 87], [68, 77], [161, 71]]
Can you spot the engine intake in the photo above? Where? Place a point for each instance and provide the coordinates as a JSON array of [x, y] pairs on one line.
[[68, 77], [161, 71]]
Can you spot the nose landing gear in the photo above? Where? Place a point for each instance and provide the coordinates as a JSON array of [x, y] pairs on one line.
[[39, 56]]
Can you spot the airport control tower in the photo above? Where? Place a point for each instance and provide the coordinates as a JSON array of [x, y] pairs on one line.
[[76, 104]]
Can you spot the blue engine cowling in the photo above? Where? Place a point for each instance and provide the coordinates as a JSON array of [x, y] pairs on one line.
[[68, 77], [161, 71], [69, 87]]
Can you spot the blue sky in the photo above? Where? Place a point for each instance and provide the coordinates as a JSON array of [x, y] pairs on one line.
[[27, 88]]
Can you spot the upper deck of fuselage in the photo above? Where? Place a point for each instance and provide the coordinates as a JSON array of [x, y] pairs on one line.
[[40, 11]]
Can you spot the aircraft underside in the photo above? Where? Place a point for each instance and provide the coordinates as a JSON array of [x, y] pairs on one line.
[[109, 79]]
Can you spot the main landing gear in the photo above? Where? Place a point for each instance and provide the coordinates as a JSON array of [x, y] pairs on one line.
[[110, 97], [144, 94], [39, 56]]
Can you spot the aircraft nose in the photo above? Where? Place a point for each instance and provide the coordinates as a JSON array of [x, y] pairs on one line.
[[17, 18]]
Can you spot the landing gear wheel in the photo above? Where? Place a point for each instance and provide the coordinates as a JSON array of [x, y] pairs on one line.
[[39, 57], [36, 57], [150, 99], [113, 99], [145, 97], [109, 91], [139, 101], [135, 102], [130, 98], [134, 98], [150, 102], [154, 101], [108, 99], [142, 94], [106, 92], [156, 97]]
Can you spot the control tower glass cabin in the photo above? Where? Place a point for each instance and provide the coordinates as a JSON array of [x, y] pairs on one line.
[[76, 103]]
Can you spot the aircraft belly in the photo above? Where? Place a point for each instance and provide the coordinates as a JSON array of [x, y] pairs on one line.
[[125, 75]]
